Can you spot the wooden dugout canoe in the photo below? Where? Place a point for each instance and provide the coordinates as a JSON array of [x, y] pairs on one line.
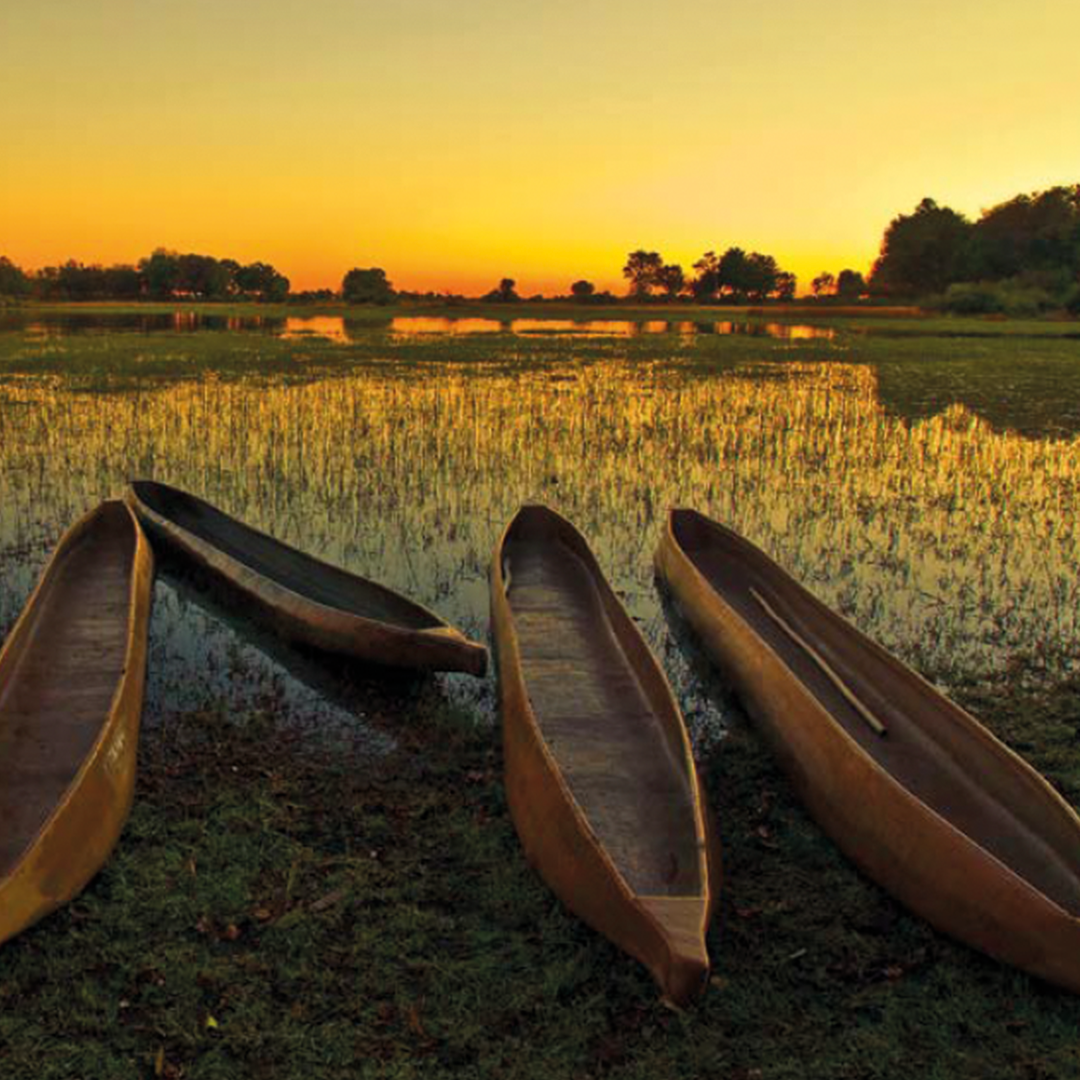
[[72, 673], [299, 597], [600, 777], [934, 808]]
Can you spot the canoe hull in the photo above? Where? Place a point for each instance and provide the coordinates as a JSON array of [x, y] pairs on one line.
[[83, 829], [915, 854], [561, 846], [301, 621]]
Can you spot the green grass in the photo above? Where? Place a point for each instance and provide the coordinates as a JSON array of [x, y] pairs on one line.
[[125, 357], [281, 905], [279, 908]]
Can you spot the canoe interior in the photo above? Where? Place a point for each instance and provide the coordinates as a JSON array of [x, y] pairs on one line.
[[930, 746], [57, 687], [302, 574], [613, 749]]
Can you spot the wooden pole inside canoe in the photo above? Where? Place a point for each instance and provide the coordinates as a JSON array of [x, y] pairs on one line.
[[868, 717]]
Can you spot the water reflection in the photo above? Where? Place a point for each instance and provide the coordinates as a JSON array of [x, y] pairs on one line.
[[323, 326], [954, 544], [624, 328], [423, 324], [59, 324], [197, 648], [343, 329]]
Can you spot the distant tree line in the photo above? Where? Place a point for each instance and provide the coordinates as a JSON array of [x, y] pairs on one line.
[[848, 286], [163, 275], [13, 281], [735, 276], [1021, 256]]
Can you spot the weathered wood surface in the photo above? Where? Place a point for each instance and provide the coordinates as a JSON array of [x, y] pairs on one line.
[[934, 808], [72, 673], [299, 597], [599, 772]]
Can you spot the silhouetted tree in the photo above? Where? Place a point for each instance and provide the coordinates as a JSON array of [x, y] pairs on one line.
[[13, 281], [671, 279], [706, 284], [203, 277], [786, 284], [506, 293], [1030, 233], [313, 296], [923, 252], [260, 281], [823, 284], [642, 270], [161, 273], [72, 281], [123, 283], [760, 275], [583, 291], [850, 285], [733, 273], [367, 287]]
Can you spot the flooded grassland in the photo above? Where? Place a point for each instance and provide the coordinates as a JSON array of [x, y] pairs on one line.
[[925, 486]]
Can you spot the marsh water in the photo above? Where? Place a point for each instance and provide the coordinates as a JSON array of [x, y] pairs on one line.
[[931, 496], [339, 328]]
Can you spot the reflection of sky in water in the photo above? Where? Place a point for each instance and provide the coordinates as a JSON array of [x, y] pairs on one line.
[[948, 541], [591, 328], [342, 329]]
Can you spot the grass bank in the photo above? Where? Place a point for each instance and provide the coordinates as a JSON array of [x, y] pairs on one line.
[[282, 907]]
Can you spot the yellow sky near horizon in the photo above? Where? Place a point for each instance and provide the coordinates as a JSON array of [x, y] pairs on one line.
[[457, 144]]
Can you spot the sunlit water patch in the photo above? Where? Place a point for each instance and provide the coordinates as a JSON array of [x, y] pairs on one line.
[[952, 542], [341, 328]]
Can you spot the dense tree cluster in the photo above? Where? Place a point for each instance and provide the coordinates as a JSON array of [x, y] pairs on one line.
[[13, 282], [1022, 256], [370, 286], [849, 286], [1030, 242], [505, 293], [733, 276], [164, 275], [584, 292]]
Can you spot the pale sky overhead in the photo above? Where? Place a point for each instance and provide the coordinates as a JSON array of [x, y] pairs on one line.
[[453, 144]]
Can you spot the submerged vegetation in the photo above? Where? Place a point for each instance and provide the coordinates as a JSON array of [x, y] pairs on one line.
[[320, 877]]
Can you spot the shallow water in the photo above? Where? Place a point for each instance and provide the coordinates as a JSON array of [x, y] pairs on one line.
[[951, 539], [342, 329]]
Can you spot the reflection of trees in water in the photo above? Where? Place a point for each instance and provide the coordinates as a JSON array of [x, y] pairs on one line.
[[346, 329], [179, 321]]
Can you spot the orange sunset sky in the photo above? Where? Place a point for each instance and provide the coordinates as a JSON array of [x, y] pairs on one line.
[[456, 143]]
